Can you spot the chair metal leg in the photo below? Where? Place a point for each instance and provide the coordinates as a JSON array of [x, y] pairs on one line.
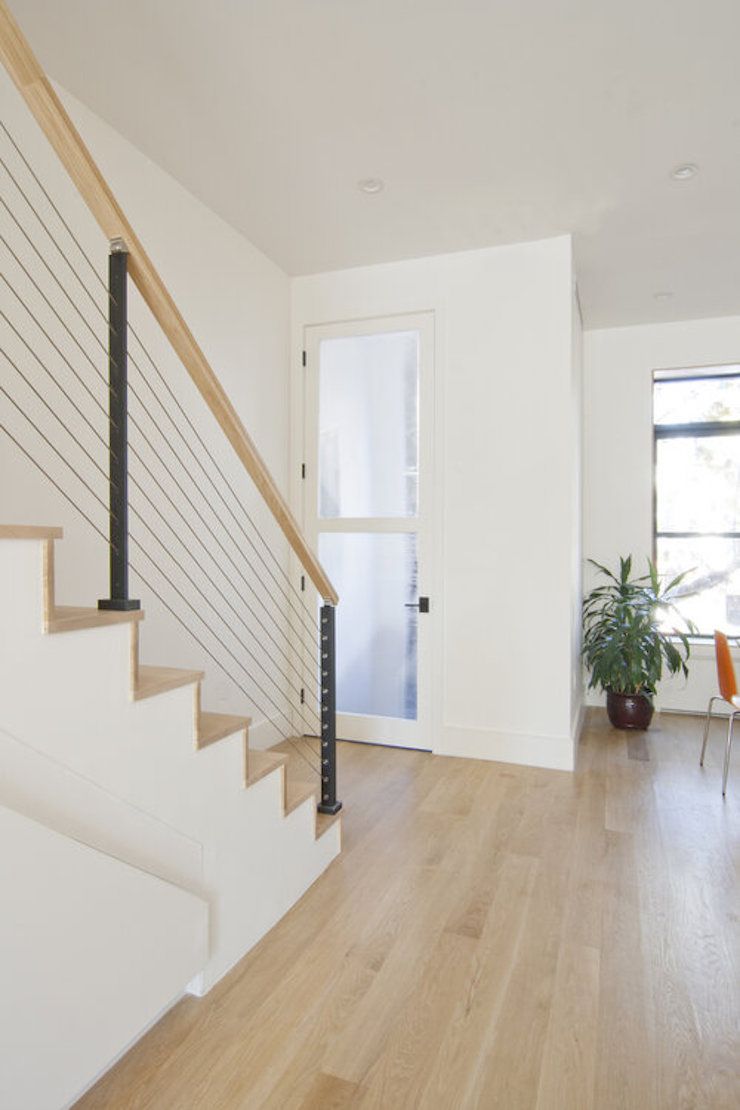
[[728, 749], [706, 729]]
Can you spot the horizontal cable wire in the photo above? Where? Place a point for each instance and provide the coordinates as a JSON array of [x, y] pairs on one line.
[[148, 584], [48, 268], [135, 423], [301, 611], [310, 723], [51, 342], [137, 455], [60, 251], [59, 215], [52, 410], [163, 380], [154, 366], [250, 697], [102, 471], [215, 635], [197, 588], [149, 444], [144, 377]]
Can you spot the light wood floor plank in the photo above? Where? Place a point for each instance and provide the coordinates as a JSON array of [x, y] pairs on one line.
[[492, 936], [568, 1070]]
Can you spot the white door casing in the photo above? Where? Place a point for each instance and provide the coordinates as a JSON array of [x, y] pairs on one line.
[[368, 510]]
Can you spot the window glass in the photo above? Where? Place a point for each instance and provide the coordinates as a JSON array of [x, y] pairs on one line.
[[698, 484], [711, 592], [697, 495], [678, 402]]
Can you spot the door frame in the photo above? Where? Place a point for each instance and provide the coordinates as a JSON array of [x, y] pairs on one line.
[[425, 321]]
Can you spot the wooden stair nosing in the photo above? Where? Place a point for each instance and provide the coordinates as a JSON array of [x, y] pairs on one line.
[[71, 618], [29, 532], [157, 680]]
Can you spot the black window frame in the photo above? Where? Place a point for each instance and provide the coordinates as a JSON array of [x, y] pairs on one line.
[[694, 430]]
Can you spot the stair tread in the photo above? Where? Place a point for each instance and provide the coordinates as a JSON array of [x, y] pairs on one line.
[[29, 532], [156, 680], [261, 763], [215, 726], [68, 618]]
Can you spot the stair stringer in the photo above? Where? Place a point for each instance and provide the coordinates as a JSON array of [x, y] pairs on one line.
[[69, 695]]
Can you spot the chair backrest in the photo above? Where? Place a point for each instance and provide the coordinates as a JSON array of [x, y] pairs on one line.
[[725, 667]]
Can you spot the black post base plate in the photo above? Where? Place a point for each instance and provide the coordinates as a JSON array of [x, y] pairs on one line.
[[119, 604], [329, 807]]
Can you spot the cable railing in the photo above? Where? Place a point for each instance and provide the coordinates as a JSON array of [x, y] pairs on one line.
[[106, 427]]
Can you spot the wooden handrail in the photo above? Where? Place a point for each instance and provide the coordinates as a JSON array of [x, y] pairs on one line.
[[47, 109]]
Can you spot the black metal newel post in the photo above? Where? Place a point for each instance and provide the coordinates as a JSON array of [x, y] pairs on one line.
[[118, 430], [327, 653]]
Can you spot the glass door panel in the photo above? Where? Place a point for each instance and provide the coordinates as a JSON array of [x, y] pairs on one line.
[[368, 425], [376, 577]]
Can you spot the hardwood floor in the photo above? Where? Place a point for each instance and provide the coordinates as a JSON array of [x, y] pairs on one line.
[[492, 936]]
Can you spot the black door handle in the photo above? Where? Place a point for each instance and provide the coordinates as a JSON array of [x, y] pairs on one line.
[[422, 605]]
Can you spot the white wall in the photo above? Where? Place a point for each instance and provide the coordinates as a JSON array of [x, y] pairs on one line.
[[619, 363], [505, 484], [93, 951], [237, 303]]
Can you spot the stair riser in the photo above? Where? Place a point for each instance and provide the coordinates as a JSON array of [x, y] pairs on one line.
[[22, 586]]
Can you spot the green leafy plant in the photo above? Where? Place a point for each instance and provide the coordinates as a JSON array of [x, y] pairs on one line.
[[626, 643]]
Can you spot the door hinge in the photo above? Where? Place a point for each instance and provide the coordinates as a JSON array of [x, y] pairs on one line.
[[303, 695], [303, 470], [303, 582], [303, 358]]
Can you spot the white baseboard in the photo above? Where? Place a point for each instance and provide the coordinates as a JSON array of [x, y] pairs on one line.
[[197, 986], [553, 752], [580, 721]]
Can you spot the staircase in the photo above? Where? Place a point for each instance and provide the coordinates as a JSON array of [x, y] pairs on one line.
[[73, 688], [108, 745], [147, 843]]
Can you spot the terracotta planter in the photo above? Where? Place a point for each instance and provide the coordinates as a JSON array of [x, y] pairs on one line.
[[629, 710]]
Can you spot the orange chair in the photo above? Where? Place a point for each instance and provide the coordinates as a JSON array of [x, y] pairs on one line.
[[727, 693]]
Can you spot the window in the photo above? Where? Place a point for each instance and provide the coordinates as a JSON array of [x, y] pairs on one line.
[[696, 417]]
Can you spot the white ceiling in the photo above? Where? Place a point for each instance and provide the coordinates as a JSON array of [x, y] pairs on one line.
[[491, 121]]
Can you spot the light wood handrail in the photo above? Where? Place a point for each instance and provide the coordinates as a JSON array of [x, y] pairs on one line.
[[47, 109]]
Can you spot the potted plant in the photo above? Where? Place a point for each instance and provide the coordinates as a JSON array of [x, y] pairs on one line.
[[626, 642]]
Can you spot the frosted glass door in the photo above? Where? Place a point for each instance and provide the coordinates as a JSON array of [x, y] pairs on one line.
[[367, 502]]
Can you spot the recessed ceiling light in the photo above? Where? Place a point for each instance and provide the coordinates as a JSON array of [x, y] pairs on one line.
[[371, 185], [663, 296], [684, 172]]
